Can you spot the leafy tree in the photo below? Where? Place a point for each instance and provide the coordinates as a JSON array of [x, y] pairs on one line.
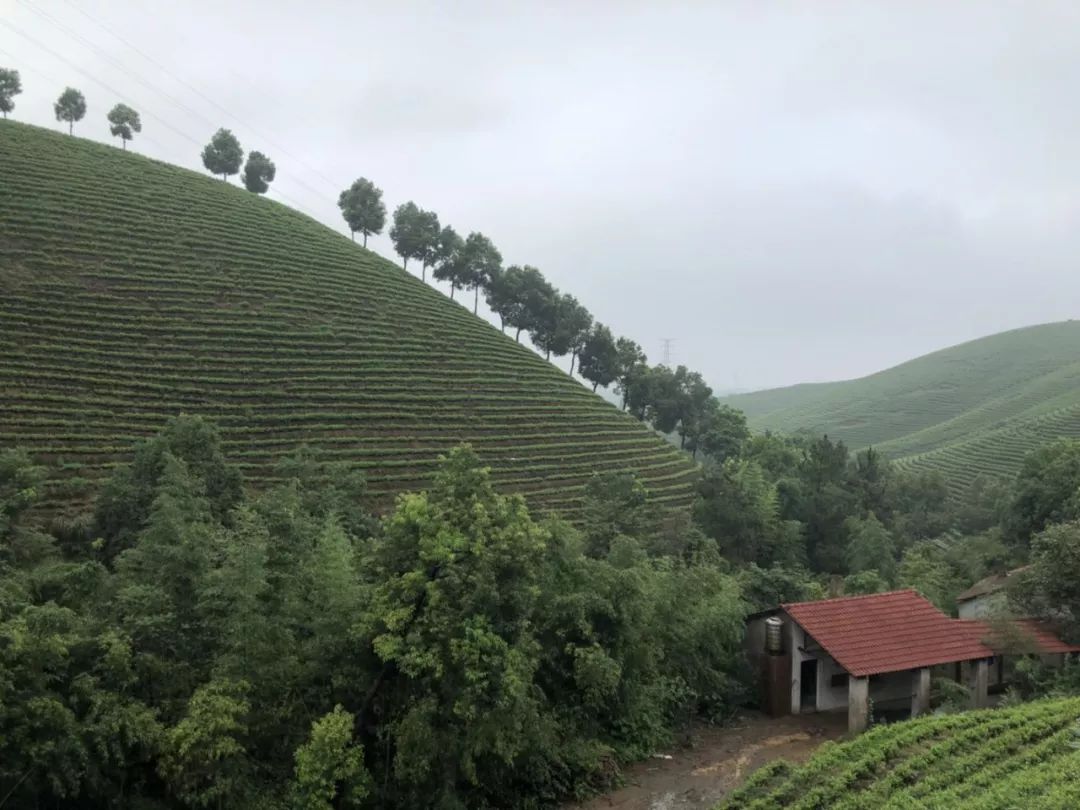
[[10, 86], [870, 547], [259, 173], [429, 233], [740, 509], [925, 567], [70, 107], [1050, 587], [480, 262], [362, 206], [599, 357], [723, 432], [1046, 491], [922, 505], [205, 759], [559, 325], [631, 365], [864, 582], [124, 123], [615, 504], [457, 572], [527, 296], [223, 154], [125, 503], [330, 769], [576, 322], [448, 259], [407, 233]]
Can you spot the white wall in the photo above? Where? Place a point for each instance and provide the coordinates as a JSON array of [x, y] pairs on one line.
[[829, 697]]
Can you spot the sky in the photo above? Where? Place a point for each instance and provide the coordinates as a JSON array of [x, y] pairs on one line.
[[789, 192]]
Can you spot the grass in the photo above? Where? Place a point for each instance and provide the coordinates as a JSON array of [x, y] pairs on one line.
[[997, 759], [969, 409], [132, 290]]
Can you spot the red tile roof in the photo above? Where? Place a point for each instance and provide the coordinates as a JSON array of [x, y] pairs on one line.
[[886, 632], [1031, 636], [899, 630]]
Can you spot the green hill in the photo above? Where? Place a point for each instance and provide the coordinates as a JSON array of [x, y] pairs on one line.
[[132, 290], [996, 759], [976, 407]]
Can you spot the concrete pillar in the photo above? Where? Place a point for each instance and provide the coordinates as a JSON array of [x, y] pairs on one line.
[[858, 704], [980, 683], [920, 693]]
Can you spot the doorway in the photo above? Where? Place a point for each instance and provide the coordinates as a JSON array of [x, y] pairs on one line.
[[808, 685]]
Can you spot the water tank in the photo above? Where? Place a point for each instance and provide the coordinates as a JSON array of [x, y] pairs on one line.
[[774, 635]]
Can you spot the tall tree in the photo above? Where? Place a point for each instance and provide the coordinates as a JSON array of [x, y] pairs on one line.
[[576, 322], [527, 296], [429, 231], [448, 258], [223, 154], [124, 123], [10, 86], [406, 233], [362, 206], [631, 364], [599, 357], [259, 173], [480, 262], [70, 107]]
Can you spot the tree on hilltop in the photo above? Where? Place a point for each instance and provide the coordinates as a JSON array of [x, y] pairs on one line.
[[448, 264], [362, 206], [481, 262], [406, 233], [259, 173], [10, 86], [599, 357], [223, 155], [631, 364], [70, 107], [527, 295], [124, 123], [429, 231]]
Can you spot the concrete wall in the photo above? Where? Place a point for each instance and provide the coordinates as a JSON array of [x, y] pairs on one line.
[[982, 607], [828, 696]]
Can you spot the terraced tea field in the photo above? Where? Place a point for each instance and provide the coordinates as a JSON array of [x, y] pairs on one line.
[[974, 408], [131, 291], [996, 759]]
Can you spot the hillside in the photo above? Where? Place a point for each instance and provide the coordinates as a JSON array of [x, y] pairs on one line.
[[976, 407], [131, 291], [997, 758]]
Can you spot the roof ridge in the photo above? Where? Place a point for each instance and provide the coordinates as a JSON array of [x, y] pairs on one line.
[[859, 597]]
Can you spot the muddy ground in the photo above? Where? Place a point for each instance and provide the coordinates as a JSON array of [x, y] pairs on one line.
[[717, 760]]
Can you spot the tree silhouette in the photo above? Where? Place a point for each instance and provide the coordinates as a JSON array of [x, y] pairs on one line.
[[223, 154], [10, 86], [259, 173], [124, 123], [362, 207], [70, 107]]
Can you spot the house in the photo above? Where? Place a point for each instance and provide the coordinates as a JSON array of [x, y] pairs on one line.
[[881, 649], [986, 597]]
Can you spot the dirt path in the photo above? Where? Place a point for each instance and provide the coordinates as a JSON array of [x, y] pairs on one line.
[[719, 759]]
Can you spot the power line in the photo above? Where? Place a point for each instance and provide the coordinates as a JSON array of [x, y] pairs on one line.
[[180, 80], [152, 88]]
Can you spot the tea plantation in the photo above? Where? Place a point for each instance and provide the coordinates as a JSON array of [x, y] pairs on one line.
[[974, 408], [998, 759], [132, 290]]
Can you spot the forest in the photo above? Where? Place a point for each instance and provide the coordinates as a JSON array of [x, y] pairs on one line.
[[196, 644]]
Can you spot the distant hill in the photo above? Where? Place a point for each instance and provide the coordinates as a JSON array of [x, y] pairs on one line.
[[976, 407], [132, 290], [1023, 756]]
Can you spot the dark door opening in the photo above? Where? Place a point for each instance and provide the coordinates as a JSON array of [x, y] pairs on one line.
[[808, 686]]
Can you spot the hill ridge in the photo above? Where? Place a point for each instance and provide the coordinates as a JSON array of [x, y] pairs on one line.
[[133, 289]]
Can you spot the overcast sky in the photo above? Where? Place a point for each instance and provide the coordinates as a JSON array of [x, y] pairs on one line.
[[791, 191]]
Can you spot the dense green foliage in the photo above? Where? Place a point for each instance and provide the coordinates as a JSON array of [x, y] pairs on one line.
[[977, 408], [124, 305], [10, 86], [362, 207], [193, 647], [1022, 757], [223, 155], [259, 173], [70, 108], [124, 122]]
